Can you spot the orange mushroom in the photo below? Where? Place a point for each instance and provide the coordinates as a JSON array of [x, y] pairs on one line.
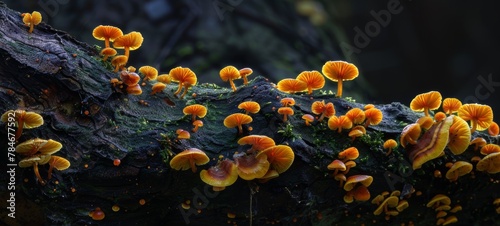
[[322, 109], [129, 78], [391, 201], [337, 166], [493, 130], [197, 124], [97, 214], [195, 110], [185, 77], [308, 118], [489, 163], [313, 79], [251, 166], [280, 157], [480, 116], [348, 165], [451, 105], [350, 153], [478, 142], [458, 169], [439, 116], [361, 193], [23, 120], [410, 134], [119, 62], [425, 122], [182, 134], [34, 161], [339, 71], [58, 163], [290, 85], [134, 89], [188, 159], [130, 41], [439, 200], [230, 73], [32, 19], [107, 33], [237, 120], [354, 133], [352, 181], [165, 78], [150, 73], [258, 142], [38, 146], [249, 107], [285, 111], [356, 115], [158, 88], [108, 52], [431, 145], [490, 148], [287, 102], [426, 101], [244, 72], [373, 116], [390, 144], [459, 137], [340, 177], [224, 174], [339, 123]]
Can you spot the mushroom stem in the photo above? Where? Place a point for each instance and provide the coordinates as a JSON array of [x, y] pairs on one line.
[[20, 125], [339, 88], [307, 123], [426, 111], [186, 87], [232, 85], [321, 117], [473, 126], [193, 166], [347, 169], [285, 118], [309, 90], [388, 152], [106, 42], [37, 173], [240, 129], [31, 27], [245, 80], [178, 89], [195, 128], [127, 51]]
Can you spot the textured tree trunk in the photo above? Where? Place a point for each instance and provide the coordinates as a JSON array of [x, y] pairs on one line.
[[51, 73]]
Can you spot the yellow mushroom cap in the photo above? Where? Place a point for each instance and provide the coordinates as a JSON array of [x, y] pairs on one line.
[[340, 70], [373, 116], [37, 145], [410, 134], [251, 166], [102, 32], [165, 78], [391, 201], [229, 73], [182, 134], [237, 119], [108, 52], [313, 79], [308, 117], [285, 111], [195, 110], [250, 106], [224, 174], [425, 122], [245, 71], [119, 61], [30, 119], [493, 130], [59, 163], [458, 169], [149, 72], [356, 115], [450, 220], [158, 87], [439, 199], [40, 159], [352, 181], [402, 205], [258, 142], [426, 101], [490, 148], [339, 123], [188, 158], [337, 165], [132, 40], [183, 75], [451, 105], [390, 143], [287, 101], [280, 157], [481, 116], [489, 163], [290, 85], [459, 137], [134, 89]]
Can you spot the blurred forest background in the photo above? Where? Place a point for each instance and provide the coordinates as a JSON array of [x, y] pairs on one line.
[[401, 47]]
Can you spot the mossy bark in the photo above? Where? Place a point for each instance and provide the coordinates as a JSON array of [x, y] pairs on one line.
[[51, 73]]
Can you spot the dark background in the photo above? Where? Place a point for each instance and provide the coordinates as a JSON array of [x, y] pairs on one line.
[[448, 46]]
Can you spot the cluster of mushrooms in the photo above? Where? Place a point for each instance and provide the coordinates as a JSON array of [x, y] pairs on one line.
[[35, 151]]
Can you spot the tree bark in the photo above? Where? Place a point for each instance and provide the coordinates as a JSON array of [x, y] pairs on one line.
[[51, 73]]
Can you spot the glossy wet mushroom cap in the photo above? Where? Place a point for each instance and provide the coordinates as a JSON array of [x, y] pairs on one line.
[[352, 181], [224, 174], [129, 78], [134, 90]]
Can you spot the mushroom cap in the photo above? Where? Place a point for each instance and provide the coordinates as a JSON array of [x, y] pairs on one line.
[[450, 219], [280, 157], [479, 141], [285, 111], [439, 116], [490, 148], [183, 134], [165, 78], [237, 119], [336, 164], [430, 100], [439, 199], [355, 133], [361, 193], [287, 101], [229, 73], [195, 109], [360, 128], [403, 204], [460, 167], [342, 121], [119, 60], [390, 143], [489, 163], [459, 137], [108, 51], [30, 119], [432, 144], [33, 146], [224, 174], [340, 70], [482, 114], [451, 105], [36, 17], [270, 174], [374, 116], [251, 166], [198, 123], [313, 79], [59, 163], [129, 78], [351, 182], [40, 159], [308, 117], [410, 132], [258, 142], [290, 85], [183, 75], [249, 106], [134, 89], [245, 71], [158, 87], [356, 115], [150, 72], [493, 130], [425, 122], [182, 160], [132, 40], [27, 18], [318, 107], [391, 201], [102, 32]]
